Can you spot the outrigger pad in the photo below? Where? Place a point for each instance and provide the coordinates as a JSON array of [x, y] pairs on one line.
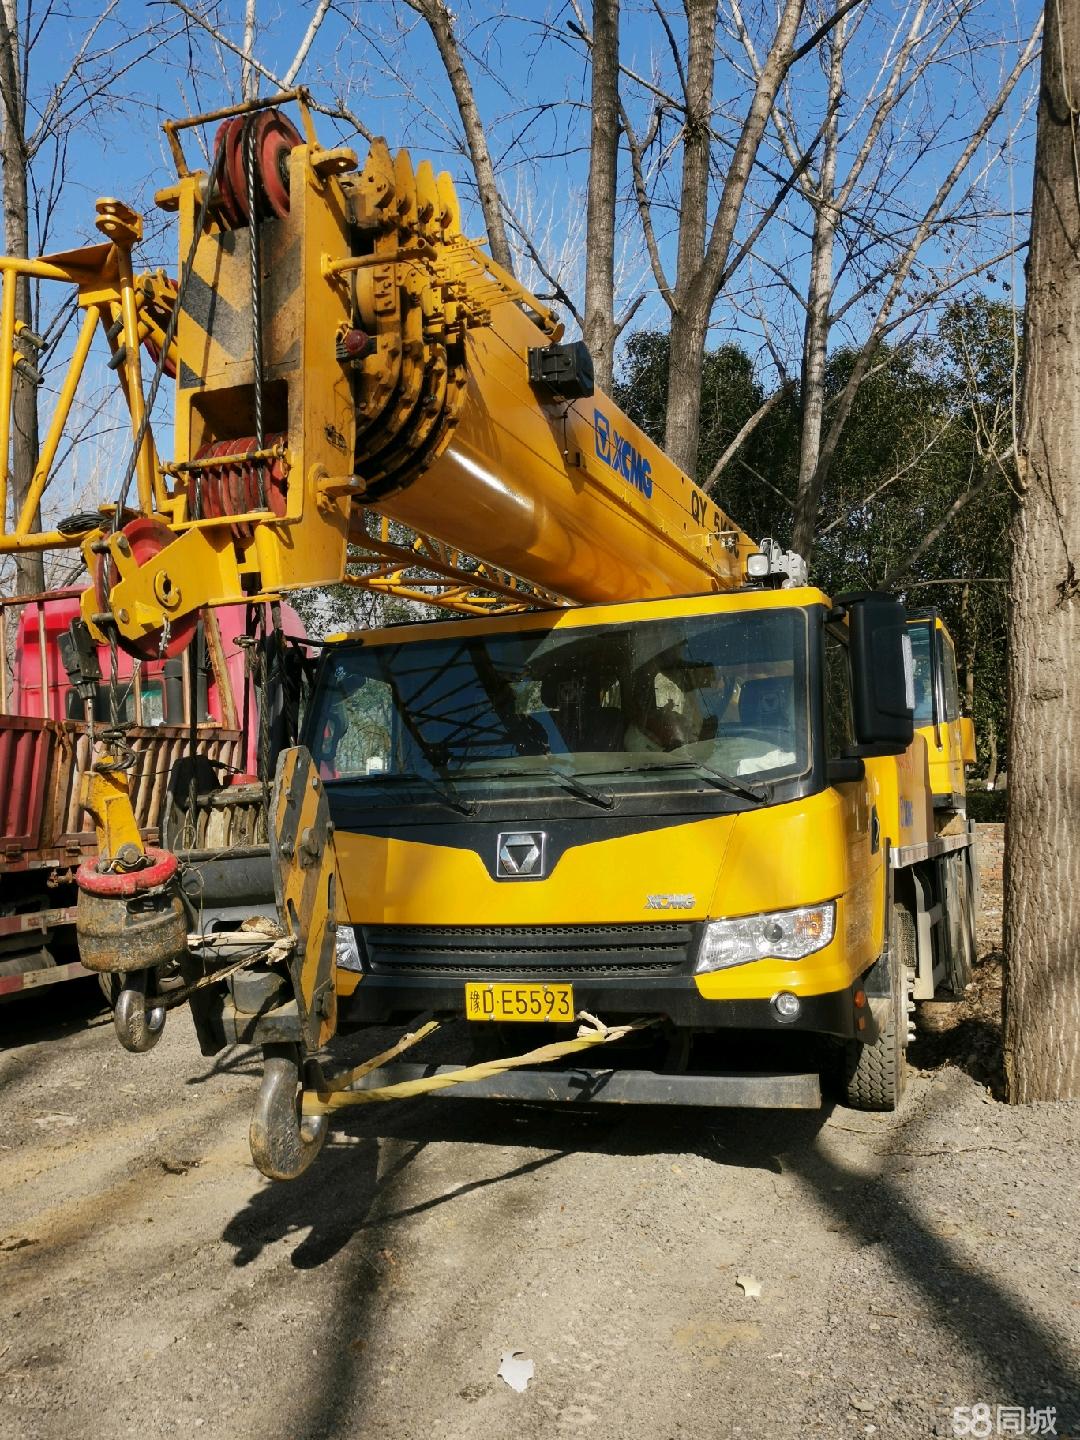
[[306, 887]]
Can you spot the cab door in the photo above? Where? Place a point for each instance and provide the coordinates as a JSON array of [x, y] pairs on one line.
[[949, 697], [863, 901]]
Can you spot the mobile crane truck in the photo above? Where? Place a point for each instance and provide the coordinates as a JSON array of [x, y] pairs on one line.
[[654, 789]]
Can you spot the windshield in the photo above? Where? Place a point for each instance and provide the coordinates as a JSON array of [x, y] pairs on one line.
[[671, 696]]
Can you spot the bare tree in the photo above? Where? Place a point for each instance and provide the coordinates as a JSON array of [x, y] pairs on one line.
[[599, 328], [15, 150], [251, 67], [440, 21], [883, 234], [704, 248], [1042, 860]]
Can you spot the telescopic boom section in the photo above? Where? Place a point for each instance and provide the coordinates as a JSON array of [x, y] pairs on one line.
[[346, 358]]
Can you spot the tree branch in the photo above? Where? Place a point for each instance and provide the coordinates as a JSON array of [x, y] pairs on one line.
[[338, 112], [744, 433]]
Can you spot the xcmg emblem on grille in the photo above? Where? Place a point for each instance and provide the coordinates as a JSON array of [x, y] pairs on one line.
[[521, 855]]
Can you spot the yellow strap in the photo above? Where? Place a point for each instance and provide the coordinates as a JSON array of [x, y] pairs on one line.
[[320, 1102], [350, 1077]]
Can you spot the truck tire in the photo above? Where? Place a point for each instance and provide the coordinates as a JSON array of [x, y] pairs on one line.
[[875, 1075]]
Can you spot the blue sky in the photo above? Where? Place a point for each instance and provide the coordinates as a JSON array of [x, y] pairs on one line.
[[531, 82]]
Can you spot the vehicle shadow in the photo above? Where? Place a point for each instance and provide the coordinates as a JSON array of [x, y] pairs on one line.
[[972, 1044], [362, 1185], [331, 1201], [239, 1060], [344, 1202], [1019, 1353]]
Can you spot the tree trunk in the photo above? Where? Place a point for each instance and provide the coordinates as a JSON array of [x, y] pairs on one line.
[[1042, 848], [603, 176], [967, 637], [249, 77], [818, 303], [688, 325], [700, 267], [992, 763], [29, 568], [441, 23]]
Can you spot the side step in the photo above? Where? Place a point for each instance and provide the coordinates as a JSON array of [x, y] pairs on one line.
[[618, 1087]]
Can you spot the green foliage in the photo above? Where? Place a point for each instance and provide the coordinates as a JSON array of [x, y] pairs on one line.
[[730, 394]]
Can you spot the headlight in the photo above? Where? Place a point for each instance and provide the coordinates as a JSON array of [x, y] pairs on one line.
[[346, 948], [778, 935]]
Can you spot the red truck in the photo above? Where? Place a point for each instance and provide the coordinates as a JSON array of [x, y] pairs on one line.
[[202, 703]]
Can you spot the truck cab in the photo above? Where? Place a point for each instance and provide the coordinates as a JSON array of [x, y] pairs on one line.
[[661, 808]]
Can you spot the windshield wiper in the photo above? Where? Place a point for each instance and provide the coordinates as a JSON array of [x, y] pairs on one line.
[[445, 791], [574, 785], [565, 779], [717, 778]]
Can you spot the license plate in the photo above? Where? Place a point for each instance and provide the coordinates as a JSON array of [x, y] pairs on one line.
[[519, 1002]]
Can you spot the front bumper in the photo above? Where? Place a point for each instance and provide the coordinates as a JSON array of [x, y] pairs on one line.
[[382, 998]]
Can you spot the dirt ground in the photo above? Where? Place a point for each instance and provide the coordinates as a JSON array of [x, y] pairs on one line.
[[152, 1284]]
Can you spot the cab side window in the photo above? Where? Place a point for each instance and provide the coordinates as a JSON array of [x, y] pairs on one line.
[[839, 725], [919, 635], [948, 677]]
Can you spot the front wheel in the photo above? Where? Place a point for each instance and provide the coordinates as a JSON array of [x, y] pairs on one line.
[[875, 1075]]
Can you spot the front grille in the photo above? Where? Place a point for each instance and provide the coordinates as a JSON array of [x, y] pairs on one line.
[[529, 952]]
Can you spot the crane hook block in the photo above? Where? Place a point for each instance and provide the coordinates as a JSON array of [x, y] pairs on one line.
[[130, 920]]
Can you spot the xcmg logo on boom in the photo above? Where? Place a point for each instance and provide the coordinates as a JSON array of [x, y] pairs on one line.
[[618, 452]]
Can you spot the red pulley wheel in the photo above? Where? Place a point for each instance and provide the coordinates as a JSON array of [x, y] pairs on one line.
[[275, 138], [233, 173], [233, 489], [147, 538], [169, 368], [230, 213], [159, 308]]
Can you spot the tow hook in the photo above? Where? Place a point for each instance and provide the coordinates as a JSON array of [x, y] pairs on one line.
[[283, 1142], [138, 1028]]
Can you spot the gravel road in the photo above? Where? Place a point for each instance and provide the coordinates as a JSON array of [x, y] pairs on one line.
[[152, 1284]]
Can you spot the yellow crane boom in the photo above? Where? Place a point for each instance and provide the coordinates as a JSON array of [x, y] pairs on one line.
[[352, 355]]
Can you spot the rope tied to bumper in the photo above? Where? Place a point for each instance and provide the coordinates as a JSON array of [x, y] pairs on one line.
[[334, 1093]]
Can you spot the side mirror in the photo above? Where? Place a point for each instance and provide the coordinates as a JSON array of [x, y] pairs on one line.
[[967, 740], [882, 674]]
